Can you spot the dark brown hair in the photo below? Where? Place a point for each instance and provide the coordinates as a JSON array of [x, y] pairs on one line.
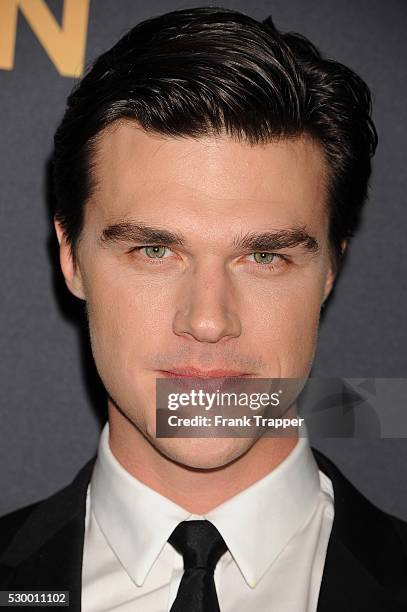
[[210, 70]]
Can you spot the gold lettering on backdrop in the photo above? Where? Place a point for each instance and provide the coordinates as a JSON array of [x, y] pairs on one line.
[[65, 44]]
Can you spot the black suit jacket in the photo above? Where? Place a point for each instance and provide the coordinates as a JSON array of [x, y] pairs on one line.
[[41, 548]]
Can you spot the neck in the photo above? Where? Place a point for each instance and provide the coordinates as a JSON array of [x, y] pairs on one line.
[[196, 490]]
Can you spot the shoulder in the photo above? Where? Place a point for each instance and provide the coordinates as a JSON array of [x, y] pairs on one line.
[[28, 524], [343, 488], [362, 529], [400, 527], [348, 498], [366, 558], [10, 523]]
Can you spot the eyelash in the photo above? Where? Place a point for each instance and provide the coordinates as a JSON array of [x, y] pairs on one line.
[[159, 261]]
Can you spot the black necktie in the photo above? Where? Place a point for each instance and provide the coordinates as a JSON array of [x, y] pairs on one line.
[[201, 545]]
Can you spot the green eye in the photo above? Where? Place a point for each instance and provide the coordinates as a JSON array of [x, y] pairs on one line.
[[265, 258], [155, 252]]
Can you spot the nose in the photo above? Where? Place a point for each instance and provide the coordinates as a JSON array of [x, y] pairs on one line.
[[206, 309]]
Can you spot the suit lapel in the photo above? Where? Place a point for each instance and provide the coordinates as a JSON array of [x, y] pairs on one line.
[[366, 564], [46, 553]]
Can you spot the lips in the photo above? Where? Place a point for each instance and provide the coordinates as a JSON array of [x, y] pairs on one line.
[[207, 380], [191, 372]]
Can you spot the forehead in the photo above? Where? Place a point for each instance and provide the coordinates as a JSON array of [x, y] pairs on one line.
[[138, 171]]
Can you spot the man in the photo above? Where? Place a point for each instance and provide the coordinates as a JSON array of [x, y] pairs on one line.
[[209, 174]]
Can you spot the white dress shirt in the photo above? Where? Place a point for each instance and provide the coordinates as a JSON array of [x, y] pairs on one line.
[[276, 531]]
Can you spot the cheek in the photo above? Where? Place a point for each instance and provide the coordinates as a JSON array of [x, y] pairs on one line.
[[285, 318], [126, 318], [125, 329]]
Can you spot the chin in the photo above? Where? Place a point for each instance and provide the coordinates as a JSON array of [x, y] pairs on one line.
[[203, 453]]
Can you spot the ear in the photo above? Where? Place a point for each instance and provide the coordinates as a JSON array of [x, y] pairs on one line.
[[330, 279], [329, 283], [70, 270]]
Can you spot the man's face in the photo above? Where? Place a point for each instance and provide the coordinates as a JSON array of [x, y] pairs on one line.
[[201, 295]]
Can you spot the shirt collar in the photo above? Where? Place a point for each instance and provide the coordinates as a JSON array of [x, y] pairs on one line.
[[135, 520], [256, 524]]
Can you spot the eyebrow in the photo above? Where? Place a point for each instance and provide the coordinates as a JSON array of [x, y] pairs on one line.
[[276, 240], [140, 232], [264, 241]]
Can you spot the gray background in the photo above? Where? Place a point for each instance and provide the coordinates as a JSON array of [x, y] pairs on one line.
[[52, 410]]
